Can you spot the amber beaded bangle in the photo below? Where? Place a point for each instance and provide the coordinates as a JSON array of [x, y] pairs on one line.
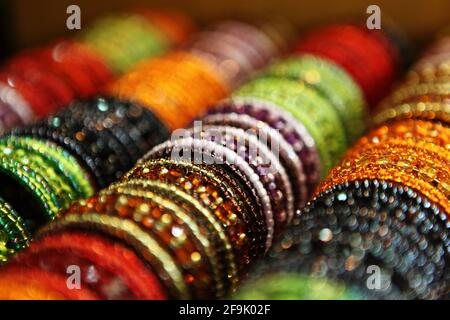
[[209, 189], [224, 250], [420, 165], [170, 225]]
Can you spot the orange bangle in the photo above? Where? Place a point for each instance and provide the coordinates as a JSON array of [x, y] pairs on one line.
[[432, 132], [177, 87], [420, 165]]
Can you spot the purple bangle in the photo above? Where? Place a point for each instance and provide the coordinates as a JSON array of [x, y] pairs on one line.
[[265, 163], [292, 131], [217, 153], [288, 158]]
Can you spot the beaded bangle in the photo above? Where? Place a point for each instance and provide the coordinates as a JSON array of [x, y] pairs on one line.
[[353, 223], [293, 131], [60, 159], [333, 83], [211, 153], [208, 188], [262, 161], [33, 181], [159, 89], [274, 139], [411, 93], [13, 234], [314, 112], [407, 129], [54, 253], [421, 110], [417, 164], [172, 227], [228, 264], [123, 40], [60, 185]]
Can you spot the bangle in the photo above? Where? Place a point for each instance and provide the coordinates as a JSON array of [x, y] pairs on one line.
[[224, 251], [208, 188], [54, 253], [350, 223], [432, 132], [134, 40], [129, 232], [437, 92], [156, 87], [13, 234], [332, 83], [314, 112], [174, 228], [292, 130], [417, 164], [261, 130], [262, 161], [211, 153], [59, 158], [421, 110]]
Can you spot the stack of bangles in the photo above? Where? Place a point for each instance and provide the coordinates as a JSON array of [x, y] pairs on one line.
[[197, 210], [384, 209], [39, 82], [91, 143]]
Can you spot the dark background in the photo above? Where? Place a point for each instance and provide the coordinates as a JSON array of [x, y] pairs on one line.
[[25, 23]]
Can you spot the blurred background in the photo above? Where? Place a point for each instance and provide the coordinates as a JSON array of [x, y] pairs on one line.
[[26, 23]]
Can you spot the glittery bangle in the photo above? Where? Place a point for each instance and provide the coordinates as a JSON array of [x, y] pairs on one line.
[[412, 93], [262, 161], [416, 164], [172, 227], [332, 83], [208, 188], [60, 186], [66, 163], [55, 253], [293, 131], [288, 157], [156, 87], [228, 266], [211, 153], [432, 132], [31, 182], [400, 223], [313, 111], [13, 234], [421, 110], [130, 232], [124, 40]]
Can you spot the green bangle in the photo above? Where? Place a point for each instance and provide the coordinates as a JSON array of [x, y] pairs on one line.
[[35, 183], [13, 234], [333, 83], [59, 185], [59, 159], [293, 286], [308, 107], [124, 40]]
